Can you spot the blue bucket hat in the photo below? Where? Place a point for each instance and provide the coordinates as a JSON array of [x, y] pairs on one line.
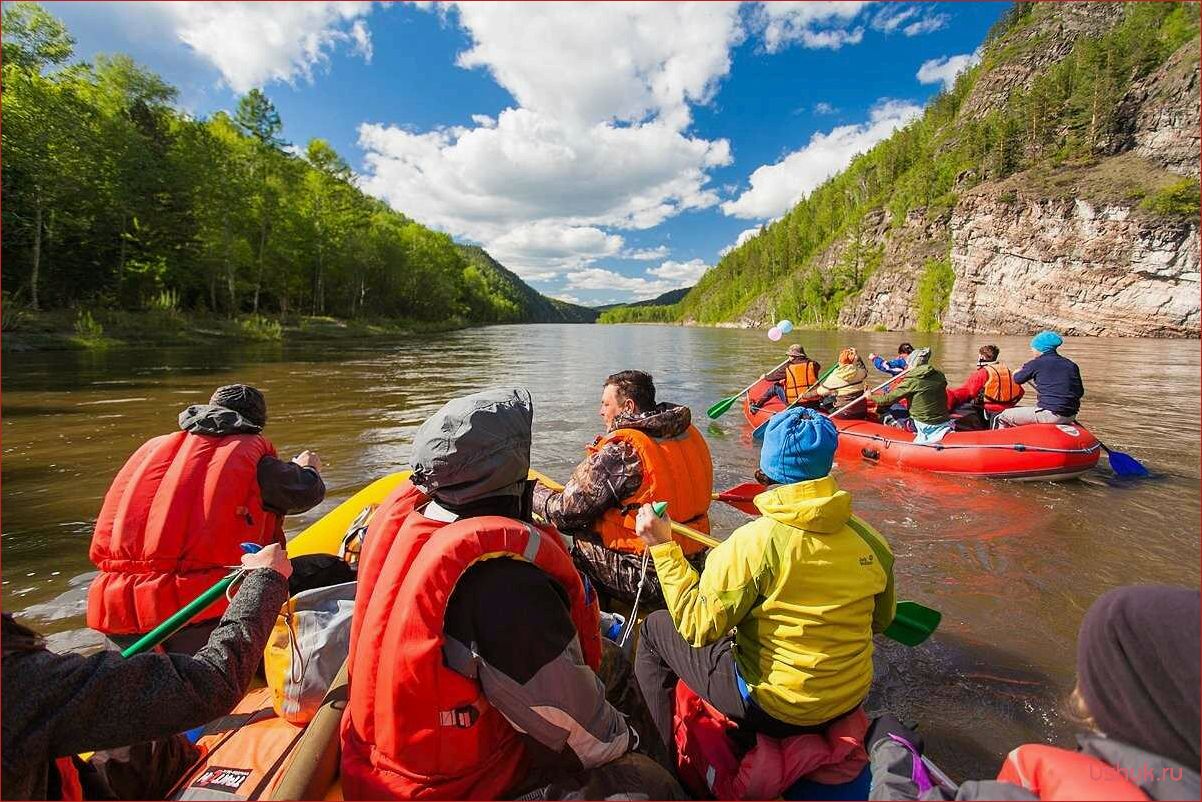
[[798, 445], [1046, 341]]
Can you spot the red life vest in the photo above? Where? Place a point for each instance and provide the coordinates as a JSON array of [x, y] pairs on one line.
[[1053, 773], [799, 377], [69, 786], [709, 766], [170, 527], [418, 725], [677, 470]]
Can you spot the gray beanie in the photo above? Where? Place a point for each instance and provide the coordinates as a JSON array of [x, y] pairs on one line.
[[475, 447], [243, 399]]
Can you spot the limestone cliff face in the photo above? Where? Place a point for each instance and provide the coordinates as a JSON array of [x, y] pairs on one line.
[[1029, 264]]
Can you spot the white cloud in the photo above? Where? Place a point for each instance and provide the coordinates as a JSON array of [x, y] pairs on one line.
[[812, 24], [944, 70], [585, 63], [776, 187], [744, 235], [597, 278], [647, 254], [568, 298], [824, 108], [252, 44], [936, 22], [910, 20], [595, 143], [684, 274]]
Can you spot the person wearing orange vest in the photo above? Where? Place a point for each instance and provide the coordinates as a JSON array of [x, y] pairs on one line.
[[791, 380], [1137, 692], [650, 452], [58, 705], [475, 645], [173, 518], [988, 390]]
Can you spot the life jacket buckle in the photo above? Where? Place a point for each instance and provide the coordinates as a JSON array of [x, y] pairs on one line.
[[462, 717]]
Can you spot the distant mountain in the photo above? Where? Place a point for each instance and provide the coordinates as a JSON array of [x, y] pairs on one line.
[[667, 299], [520, 303]]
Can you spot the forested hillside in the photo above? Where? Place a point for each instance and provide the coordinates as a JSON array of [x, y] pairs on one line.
[[1078, 103], [113, 199]]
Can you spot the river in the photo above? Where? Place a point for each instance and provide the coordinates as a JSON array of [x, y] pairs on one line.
[[1012, 566]]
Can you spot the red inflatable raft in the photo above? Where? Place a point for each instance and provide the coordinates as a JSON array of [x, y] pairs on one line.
[[1039, 451]]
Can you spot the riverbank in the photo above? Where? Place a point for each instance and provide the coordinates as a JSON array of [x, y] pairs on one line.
[[59, 330]]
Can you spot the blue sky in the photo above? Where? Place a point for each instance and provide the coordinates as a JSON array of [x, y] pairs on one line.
[[605, 152]]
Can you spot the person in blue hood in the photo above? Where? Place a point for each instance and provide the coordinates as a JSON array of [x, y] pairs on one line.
[[1058, 385]]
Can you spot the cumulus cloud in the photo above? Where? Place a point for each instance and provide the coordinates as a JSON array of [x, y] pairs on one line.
[[594, 143], [935, 22], [944, 70], [647, 254], [744, 235], [656, 280], [252, 44], [776, 187], [811, 24], [684, 274]]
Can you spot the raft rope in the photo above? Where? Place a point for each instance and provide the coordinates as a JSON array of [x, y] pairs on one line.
[[941, 446], [638, 594]]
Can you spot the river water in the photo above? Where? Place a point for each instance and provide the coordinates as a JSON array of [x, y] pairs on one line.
[[1012, 566]]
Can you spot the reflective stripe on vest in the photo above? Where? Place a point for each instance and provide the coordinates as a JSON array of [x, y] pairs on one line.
[[677, 470], [418, 724], [1053, 773], [1000, 387], [170, 527], [799, 377]]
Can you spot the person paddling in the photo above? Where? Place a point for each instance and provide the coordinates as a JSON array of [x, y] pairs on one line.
[[650, 452], [475, 646], [792, 379], [803, 588], [173, 518], [987, 392], [1137, 697], [1058, 386], [892, 366], [925, 390], [845, 385], [58, 705]]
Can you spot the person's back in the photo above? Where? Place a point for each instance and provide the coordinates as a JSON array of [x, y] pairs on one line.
[[173, 518], [1058, 385], [801, 648]]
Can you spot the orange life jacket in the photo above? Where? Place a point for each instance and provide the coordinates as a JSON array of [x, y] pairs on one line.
[[1053, 773], [677, 470], [1000, 386], [418, 725], [244, 754], [799, 377], [170, 527]]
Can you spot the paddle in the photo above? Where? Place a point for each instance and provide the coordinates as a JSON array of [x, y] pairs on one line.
[[189, 611], [868, 393], [719, 409], [740, 497], [758, 432], [1123, 464]]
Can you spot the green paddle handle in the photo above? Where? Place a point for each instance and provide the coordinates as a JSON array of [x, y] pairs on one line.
[[176, 622]]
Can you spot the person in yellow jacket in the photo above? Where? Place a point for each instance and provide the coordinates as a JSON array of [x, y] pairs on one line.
[[804, 587]]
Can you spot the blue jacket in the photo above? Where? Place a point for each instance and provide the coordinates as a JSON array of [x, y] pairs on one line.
[[1057, 380], [892, 366]]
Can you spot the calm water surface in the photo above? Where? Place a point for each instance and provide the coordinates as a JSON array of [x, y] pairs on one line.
[[1012, 566]]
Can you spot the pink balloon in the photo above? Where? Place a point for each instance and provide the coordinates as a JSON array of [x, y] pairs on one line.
[[774, 334]]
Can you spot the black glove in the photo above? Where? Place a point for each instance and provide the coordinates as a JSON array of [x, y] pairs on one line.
[[886, 725]]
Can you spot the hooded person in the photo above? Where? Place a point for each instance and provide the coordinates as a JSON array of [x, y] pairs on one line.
[[845, 385], [173, 518], [1058, 385], [803, 587], [791, 380], [925, 390], [475, 645], [1137, 694], [649, 452]]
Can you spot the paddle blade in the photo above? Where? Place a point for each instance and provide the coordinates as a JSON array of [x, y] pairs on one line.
[[1125, 464], [719, 409], [913, 623], [746, 491], [740, 504]]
